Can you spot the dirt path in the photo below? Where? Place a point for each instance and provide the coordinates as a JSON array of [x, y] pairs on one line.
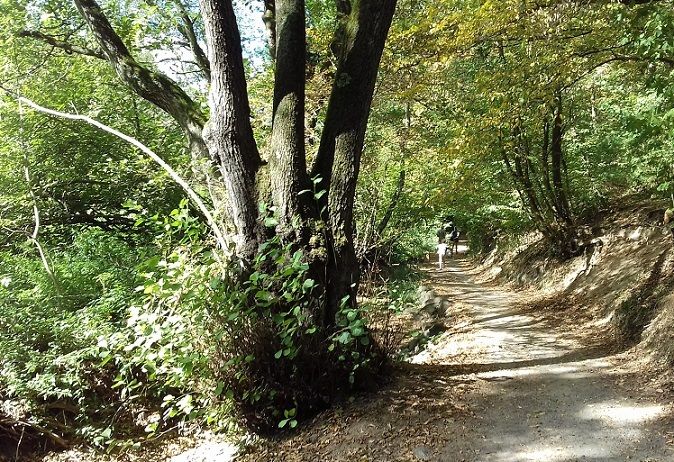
[[505, 383], [541, 393]]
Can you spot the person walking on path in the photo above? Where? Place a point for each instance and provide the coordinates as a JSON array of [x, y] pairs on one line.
[[454, 241], [442, 234], [450, 232], [442, 250]]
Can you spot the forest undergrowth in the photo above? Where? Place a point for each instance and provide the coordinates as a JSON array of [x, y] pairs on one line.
[[210, 222]]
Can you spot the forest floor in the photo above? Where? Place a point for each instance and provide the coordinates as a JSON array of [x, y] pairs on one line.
[[515, 377], [510, 380]]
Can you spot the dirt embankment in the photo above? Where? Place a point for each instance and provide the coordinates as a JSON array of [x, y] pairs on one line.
[[622, 283]]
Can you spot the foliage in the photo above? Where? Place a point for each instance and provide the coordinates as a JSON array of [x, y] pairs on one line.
[[457, 77], [277, 359], [92, 347], [140, 326], [49, 331]]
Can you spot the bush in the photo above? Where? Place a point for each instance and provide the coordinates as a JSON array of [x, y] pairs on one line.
[[126, 341], [278, 360], [48, 327]]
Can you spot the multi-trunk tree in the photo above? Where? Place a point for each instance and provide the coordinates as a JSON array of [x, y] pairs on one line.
[[312, 204], [226, 134], [538, 168]]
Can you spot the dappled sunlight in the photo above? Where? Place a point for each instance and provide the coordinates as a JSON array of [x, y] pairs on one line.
[[571, 371], [209, 450], [555, 453], [543, 394], [621, 414]]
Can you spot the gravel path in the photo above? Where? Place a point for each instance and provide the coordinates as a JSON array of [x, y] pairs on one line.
[[540, 394]]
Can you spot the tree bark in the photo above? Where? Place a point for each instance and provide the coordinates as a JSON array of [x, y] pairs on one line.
[[229, 134], [287, 160], [557, 160], [359, 43]]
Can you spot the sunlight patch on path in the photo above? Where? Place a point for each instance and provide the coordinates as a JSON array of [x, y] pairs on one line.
[[539, 394], [209, 451], [620, 414]]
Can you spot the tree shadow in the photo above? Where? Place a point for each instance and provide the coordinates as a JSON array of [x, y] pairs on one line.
[[459, 369]]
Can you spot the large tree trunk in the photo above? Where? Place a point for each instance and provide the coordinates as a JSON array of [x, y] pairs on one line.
[[287, 159], [359, 45], [229, 134]]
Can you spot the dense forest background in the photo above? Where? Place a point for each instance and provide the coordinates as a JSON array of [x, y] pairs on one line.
[[117, 313]]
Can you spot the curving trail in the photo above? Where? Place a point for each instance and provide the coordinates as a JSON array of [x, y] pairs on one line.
[[540, 391], [506, 382]]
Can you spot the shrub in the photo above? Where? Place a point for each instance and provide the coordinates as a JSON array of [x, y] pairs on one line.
[[48, 327], [278, 360]]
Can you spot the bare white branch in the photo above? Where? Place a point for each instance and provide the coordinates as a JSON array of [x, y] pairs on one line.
[[224, 243]]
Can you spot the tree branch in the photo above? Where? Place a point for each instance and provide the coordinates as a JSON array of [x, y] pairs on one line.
[[187, 31], [269, 19], [360, 40], [613, 59], [153, 86], [36, 210], [219, 236], [358, 45], [393, 204], [62, 44]]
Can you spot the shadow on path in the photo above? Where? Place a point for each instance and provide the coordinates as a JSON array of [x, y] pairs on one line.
[[536, 393]]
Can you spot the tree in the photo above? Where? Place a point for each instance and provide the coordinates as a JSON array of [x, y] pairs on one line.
[[312, 206], [487, 80]]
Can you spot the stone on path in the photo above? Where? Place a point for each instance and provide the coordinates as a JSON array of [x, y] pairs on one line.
[[422, 453], [210, 451]]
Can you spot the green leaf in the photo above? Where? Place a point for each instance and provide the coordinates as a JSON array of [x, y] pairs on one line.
[[219, 388], [263, 295], [344, 337]]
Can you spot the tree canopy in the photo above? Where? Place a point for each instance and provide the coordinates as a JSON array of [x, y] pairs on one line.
[[329, 140]]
